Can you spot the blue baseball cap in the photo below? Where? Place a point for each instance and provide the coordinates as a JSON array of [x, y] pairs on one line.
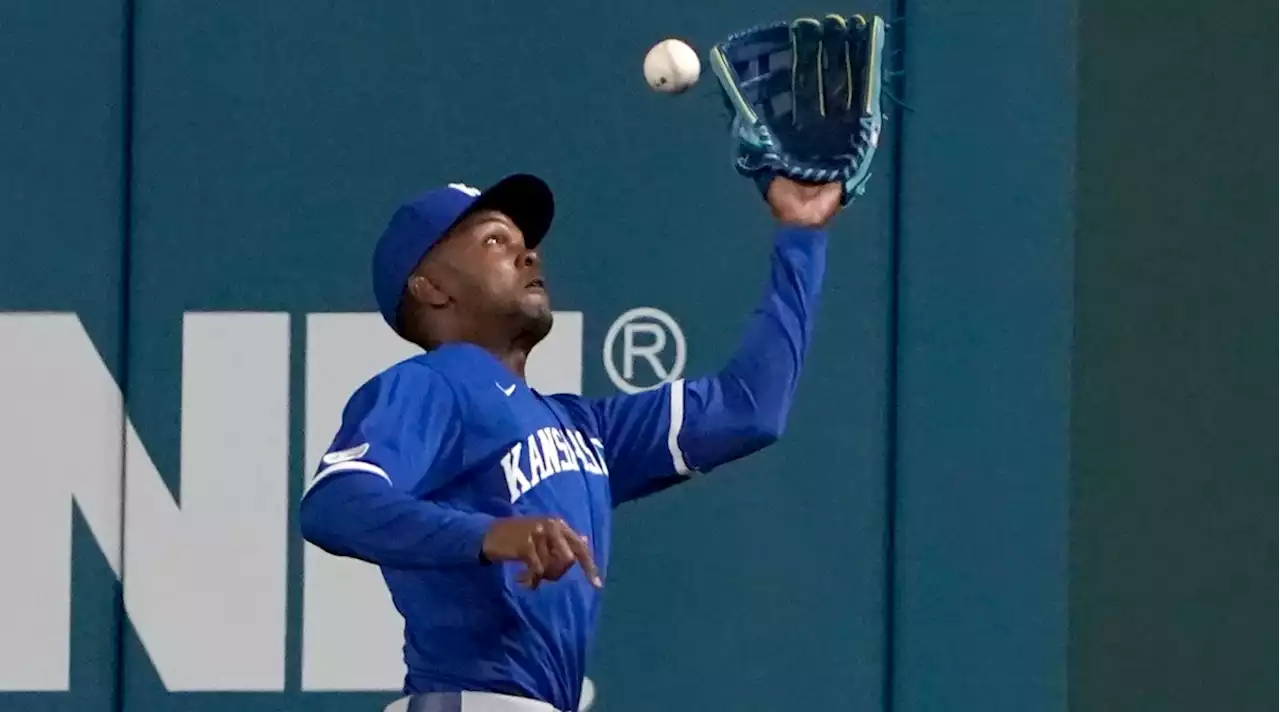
[[420, 223]]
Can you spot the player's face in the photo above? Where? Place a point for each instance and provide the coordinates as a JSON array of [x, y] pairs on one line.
[[496, 275]]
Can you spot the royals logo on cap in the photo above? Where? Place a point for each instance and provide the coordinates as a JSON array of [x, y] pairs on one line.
[[473, 192]]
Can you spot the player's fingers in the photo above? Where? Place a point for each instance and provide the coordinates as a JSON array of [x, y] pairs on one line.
[[533, 558], [545, 555], [564, 553], [562, 556], [583, 554], [542, 546]]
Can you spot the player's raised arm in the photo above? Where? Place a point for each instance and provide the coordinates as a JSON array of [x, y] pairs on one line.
[[655, 439], [399, 432]]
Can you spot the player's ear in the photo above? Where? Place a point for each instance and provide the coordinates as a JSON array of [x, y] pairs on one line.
[[424, 291]]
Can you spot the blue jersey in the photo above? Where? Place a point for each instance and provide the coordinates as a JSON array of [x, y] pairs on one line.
[[433, 449]]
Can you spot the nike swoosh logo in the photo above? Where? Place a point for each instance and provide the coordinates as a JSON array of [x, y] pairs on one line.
[[506, 391]]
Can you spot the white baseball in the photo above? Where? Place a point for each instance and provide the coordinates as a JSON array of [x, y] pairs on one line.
[[671, 66]]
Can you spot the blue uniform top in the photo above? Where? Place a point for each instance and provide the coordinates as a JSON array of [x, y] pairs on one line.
[[434, 448]]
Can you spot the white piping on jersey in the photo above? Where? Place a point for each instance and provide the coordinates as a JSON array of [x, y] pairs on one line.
[[677, 422], [350, 466]]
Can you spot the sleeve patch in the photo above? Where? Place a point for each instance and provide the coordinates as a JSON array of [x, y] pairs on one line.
[[351, 453]]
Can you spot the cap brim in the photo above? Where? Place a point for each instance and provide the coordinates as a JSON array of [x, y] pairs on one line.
[[525, 198]]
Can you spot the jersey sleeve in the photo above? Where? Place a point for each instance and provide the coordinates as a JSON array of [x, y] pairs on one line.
[[639, 437], [658, 438], [403, 426]]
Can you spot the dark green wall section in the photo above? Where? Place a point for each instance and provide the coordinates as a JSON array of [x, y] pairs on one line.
[[1173, 535]]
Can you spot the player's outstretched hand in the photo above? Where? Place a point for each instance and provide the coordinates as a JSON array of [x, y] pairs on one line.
[[547, 546], [803, 204]]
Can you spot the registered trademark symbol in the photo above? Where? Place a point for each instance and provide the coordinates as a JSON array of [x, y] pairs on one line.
[[650, 338]]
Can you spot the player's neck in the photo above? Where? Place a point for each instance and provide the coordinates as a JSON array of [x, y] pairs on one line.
[[511, 353], [513, 357], [514, 360]]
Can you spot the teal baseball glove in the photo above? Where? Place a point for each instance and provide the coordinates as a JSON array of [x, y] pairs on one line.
[[805, 99]]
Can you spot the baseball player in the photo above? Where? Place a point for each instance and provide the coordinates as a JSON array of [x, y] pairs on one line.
[[487, 504]]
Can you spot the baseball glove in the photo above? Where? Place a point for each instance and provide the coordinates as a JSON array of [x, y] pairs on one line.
[[805, 99]]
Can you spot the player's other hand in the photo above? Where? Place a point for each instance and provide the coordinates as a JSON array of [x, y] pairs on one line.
[[547, 546], [803, 204]]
